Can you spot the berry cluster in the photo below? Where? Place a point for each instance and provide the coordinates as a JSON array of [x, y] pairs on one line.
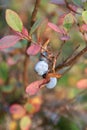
[[42, 68]]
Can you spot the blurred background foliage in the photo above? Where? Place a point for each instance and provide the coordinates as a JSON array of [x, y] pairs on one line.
[[50, 109]]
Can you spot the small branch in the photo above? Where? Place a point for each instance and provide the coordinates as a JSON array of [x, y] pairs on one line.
[[72, 60], [26, 60], [67, 59], [34, 13], [71, 9], [25, 72]]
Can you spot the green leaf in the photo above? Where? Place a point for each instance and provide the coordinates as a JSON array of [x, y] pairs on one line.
[[68, 21], [7, 89], [77, 2], [4, 71], [13, 20], [84, 16], [66, 124], [35, 26], [29, 107], [68, 26], [25, 123]]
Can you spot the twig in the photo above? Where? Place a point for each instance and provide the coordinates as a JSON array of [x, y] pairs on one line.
[[72, 60], [26, 60], [34, 13], [71, 9]]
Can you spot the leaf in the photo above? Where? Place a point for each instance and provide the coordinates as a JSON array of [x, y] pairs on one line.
[[13, 20], [34, 87], [54, 75], [33, 49], [61, 19], [58, 2], [74, 8], [67, 124], [42, 29], [25, 123], [35, 26], [29, 108], [8, 89], [17, 111], [82, 84], [68, 21], [77, 2], [84, 16], [84, 27], [55, 28], [25, 32], [11, 61], [9, 41], [35, 100], [12, 125], [4, 71], [65, 38]]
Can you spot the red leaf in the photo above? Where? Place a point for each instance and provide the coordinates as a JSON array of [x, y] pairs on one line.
[[84, 27], [82, 84], [9, 41], [25, 32], [65, 38], [73, 7], [61, 19], [55, 28], [17, 111], [16, 108], [11, 61], [33, 49], [34, 87], [58, 2]]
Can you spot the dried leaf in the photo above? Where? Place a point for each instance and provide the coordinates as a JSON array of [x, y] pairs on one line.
[[54, 75]]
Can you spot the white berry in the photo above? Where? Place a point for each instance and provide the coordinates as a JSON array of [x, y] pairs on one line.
[[41, 67], [52, 83]]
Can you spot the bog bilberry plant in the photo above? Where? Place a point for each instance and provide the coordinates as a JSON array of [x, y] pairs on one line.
[[48, 65]]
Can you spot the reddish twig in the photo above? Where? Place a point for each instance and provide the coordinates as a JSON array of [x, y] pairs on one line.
[[72, 60], [34, 13], [26, 60]]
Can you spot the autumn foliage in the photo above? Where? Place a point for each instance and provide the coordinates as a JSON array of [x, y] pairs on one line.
[[37, 57]]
